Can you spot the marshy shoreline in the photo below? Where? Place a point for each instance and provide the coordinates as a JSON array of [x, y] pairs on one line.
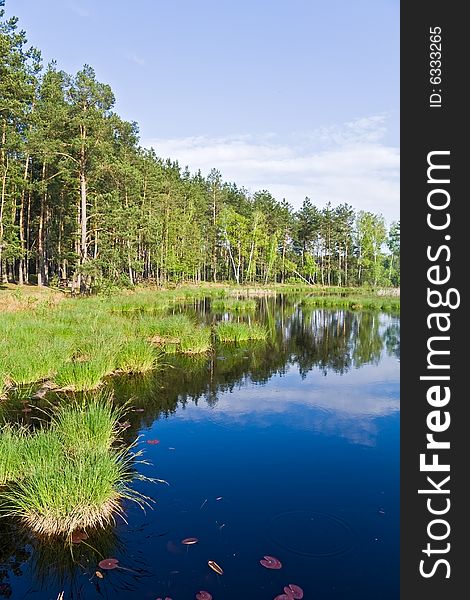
[[51, 339]]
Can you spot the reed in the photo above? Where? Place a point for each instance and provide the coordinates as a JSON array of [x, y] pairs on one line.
[[233, 304], [136, 356], [227, 331]]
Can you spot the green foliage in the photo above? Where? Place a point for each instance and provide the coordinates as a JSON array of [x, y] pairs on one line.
[[228, 331], [136, 356], [389, 304], [69, 475], [233, 304]]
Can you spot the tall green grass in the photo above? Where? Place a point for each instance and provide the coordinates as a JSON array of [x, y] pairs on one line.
[[136, 356], [198, 341], [234, 304], [227, 331], [79, 342], [91, 425], [12, 443], [382, 303], [69, 475]]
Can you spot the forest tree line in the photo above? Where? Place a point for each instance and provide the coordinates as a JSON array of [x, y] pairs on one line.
[[82, 202]]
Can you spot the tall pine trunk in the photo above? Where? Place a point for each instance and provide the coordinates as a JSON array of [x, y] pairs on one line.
[[41, 269], [4, 160]]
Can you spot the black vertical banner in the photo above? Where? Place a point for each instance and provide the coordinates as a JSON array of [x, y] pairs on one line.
[[435, 432]]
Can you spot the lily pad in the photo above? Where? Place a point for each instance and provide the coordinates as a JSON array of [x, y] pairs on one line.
[[271, 562], [108, 563]]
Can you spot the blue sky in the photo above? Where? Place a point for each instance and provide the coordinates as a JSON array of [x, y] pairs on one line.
[[300, 97]]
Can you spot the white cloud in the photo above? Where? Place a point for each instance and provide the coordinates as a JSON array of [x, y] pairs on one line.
[[346, 163]]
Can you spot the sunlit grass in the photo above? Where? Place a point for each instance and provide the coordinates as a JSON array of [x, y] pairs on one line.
[[12, 442], [89, 425], [136, 356], [85, 371], [233, 304], [197, 341], [383, 303], [78, 342], [227, 331], [68, 475]]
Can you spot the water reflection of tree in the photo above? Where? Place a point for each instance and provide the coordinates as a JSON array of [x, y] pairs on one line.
[[368, 341], [392, 340], [328, 340]]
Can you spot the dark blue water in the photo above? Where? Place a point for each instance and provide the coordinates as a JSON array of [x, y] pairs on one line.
[[288, 449]]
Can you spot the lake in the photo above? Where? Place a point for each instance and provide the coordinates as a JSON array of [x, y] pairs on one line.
[[287, 449]]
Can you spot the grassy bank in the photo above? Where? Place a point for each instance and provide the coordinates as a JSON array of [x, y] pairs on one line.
[[74, 343], [69, 475], [227, 331], [354, 302], [233, 304]]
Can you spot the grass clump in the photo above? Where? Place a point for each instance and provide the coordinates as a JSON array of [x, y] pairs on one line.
[[12, 442], [61, 496], [176, 333], [136, 356], [233, 304], [378, 303], [91, 426], [198, 341], [227, 331], [85, 371], [69, 475]]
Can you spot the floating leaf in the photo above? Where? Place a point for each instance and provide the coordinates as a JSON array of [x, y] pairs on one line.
[[189, 541], [215, 567], [99, 574], [203, 595], [296, 592], [108, 563], [153, 442], [283, 597], [78, 536], [270, 562]]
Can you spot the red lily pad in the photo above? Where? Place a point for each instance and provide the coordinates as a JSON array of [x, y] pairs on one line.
[[203, 595], [108, 563], [296, 592], [271, 562], [153, 442], [78, 536], [283, 597]]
